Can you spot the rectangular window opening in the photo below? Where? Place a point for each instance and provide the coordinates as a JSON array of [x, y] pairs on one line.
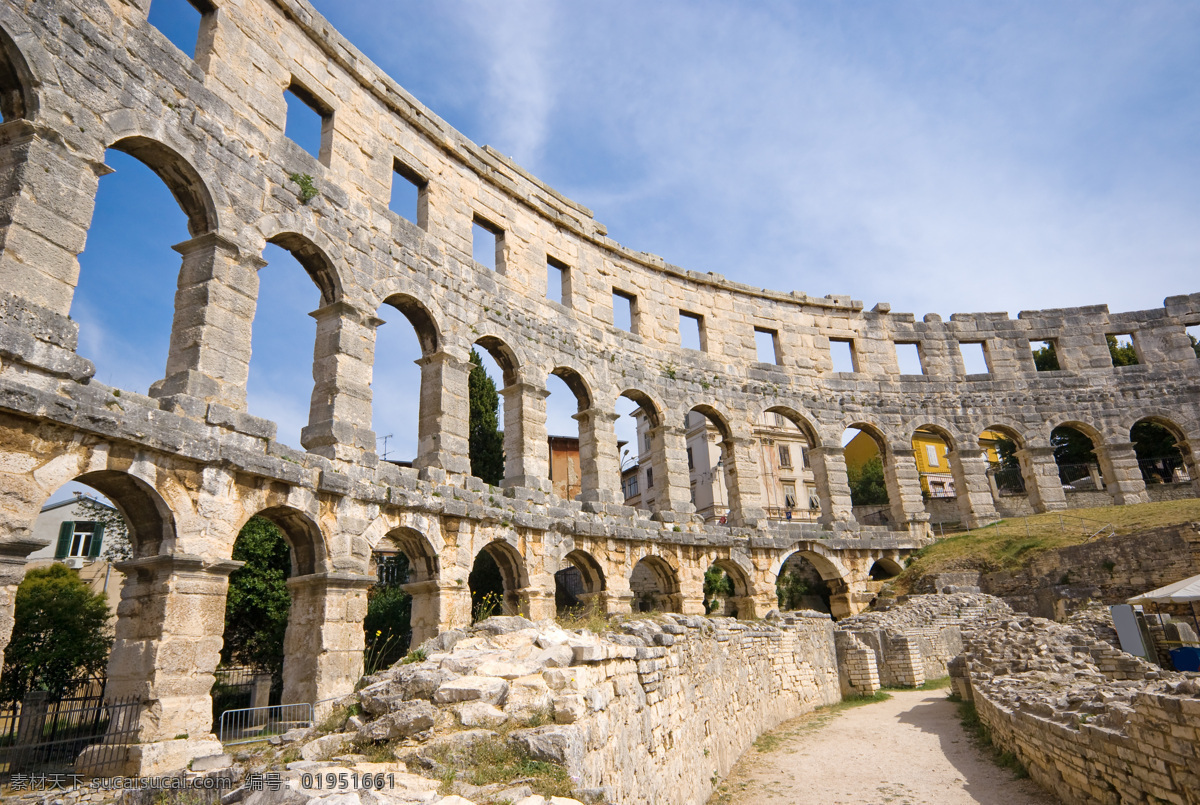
[[1122, 350], [908, 355], [624, 311], [1045, 356], [487, 244], [766, 343], [931, 454], [408, 194], [183, 23], [1193, 332], [841, 351], [650, 478], [691, 466], [691, 331], [309, 122], [558, 281], [789, 494], [785, 456], [974, 355]]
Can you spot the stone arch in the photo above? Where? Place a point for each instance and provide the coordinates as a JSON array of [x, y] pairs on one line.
[[733, 481], [315, 261], [580, 582], [884, 568], [577, 384], [303, 535], [18, 99], [423, 560], [889, 510], [1075, 468], [719, 420], [654, 583], [422, 319], [652, 409], [740, 604], [1162, 451], [833, 584], [801, 421], [510, 567], [505, 356], [181, 178], [151, 521]]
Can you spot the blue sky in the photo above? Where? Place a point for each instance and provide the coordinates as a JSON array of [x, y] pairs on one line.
[[940, 156]]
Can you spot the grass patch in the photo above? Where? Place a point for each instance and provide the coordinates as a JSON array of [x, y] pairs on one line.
[[981, 736], [1009, 544], [941, 683], [495, 760], [588, 616]]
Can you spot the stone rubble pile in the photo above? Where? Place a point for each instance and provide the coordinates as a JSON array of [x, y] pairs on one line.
[[926, 611], [1090, 722]]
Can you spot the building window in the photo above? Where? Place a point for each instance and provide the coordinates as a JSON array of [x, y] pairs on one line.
[[932, 454], [691, 466], [789, 494], [785, 456], [650, 478], [80, 539], [646, 440]]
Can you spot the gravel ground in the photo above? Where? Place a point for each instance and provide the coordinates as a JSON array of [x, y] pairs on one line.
[[908, 750]]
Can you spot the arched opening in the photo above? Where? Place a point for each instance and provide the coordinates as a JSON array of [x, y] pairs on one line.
[[726, 590], [579, 585], [568, 397], [865, 451], [270, 629], [640, 447], [710, 459], [495, 581], [282, 383], [151, 201], [402, 558], [405, 334], [1156, 443], [1001, 446], [933, 449], [1075, 454], [789, 483], [884, 569], [800, 585], [493, 439], [16, 82], [655, 586]]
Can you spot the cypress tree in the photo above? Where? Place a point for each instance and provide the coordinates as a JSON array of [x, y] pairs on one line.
[[486, 438]]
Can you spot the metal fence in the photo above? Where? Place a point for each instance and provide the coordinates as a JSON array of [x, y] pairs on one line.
[[251, 724], [82, 734], [1079, 476], [798, 515], [1009, 480], [1164, 470]]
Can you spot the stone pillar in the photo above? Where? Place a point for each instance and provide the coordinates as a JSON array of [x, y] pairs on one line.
[[904, 486], [46, 195], [323, 646], [833, 486], [339, 419], [436, 607], [444, 426], [690, 598], [1042, 484], [536, 603], [976, 505], [169, 631], [599, 464], [1122, 474], [672, 486], [209, 357], [526, 449], [13, 556], [743, 482]]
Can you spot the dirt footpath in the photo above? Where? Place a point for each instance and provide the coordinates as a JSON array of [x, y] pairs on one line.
[[908, 750]]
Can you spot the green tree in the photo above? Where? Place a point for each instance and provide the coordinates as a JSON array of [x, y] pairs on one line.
[[1071, 446], [257, 606], [717, 587], [388, 624], [1046, 358], [1122, 354], [790, 589], [60, 634], [486, 439], [867, 484]]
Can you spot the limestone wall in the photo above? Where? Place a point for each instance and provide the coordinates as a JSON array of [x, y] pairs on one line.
[[654, 713], [1090, 723]]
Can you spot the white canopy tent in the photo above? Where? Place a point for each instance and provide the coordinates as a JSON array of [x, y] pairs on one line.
[[1181, 592]]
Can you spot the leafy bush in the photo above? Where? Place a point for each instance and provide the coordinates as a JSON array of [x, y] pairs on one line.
[[60, 634], [257, 607]]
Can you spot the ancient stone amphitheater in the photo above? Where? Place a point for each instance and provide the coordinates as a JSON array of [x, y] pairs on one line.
[[188, 466]]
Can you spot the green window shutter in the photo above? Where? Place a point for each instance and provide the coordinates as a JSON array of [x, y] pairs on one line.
[[66, 530], [97, 539]]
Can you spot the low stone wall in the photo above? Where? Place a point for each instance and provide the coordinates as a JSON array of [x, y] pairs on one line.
[[1090, 723], [655, 712], [1178, 491], [914, 641]]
